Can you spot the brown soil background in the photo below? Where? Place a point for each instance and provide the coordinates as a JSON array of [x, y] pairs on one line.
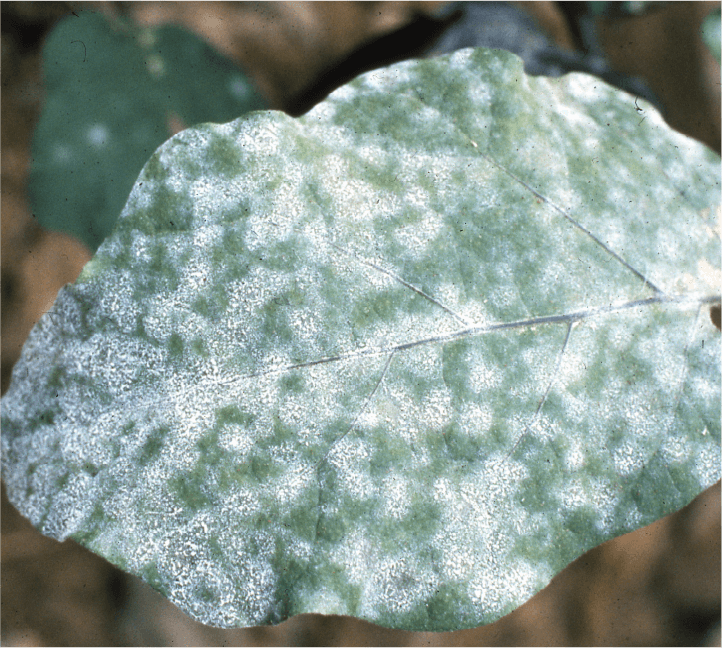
[[657, 586]]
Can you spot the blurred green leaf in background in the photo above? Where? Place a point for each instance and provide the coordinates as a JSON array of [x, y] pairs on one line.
[[114, 93]]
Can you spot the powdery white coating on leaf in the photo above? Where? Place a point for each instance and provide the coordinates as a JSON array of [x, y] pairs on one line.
[[404, 357]]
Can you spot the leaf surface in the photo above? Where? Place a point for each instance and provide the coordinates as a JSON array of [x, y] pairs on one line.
[[402, 358]]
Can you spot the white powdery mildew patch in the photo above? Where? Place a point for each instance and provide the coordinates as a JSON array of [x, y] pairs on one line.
[[240, 502], [276, 223], [196, 275], [534, 150], [544, 428], [505, 294], [427, 181], [309, 436], [385, 410], [449, 296], [249, 295], [228, 129], [120, 470], [382, 335], [344, 94], [419, 197], [399, 584], [574, 494], [295, 412], [210, 199], [475, 419], [190, 571], [498, 590], [552, 274], [356, 553], [116, 303], [614, 235], [630, 456], [662, 351], [557, 95], [163, 314], [418, 236], [331, 138], [361, 277], [707, 462], [475, 310], [306, 325], [705, 343], [395, 583], [82, 444], [108, 363], [713, 220], [704, 389], [295, 480], [587, 412], [575, 456], [35, 489], [676, 450], [261, 136], [140, 198], [325, 601], [477, 512], [373, 154], [191, 415], [604, 498], [434, 411], [140, 249], [236, 439], [424, 361], [70, 507], [687, 155], [349, 456], [386, 79], [539, 360], [461, 62], [324, 390], [257, 395], [584, 89], [711, 277], [394, 493], [574, 364], [356, 202], [323, 113]]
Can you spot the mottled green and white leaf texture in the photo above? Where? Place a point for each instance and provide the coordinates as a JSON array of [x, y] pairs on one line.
[[403, 358]]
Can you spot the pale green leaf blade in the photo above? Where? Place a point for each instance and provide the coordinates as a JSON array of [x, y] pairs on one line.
[[403, 358]]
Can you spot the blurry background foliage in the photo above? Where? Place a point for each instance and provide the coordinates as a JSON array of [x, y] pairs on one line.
[[712, 33]]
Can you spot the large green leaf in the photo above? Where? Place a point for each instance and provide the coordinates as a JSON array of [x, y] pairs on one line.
[[403, 358], [113, 95]]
